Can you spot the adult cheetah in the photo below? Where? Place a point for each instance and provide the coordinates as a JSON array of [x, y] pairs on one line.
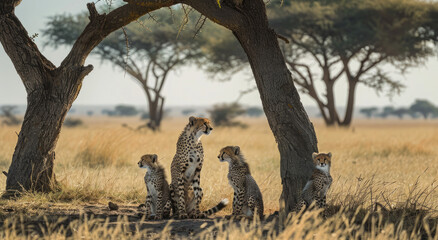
[[186, 166]]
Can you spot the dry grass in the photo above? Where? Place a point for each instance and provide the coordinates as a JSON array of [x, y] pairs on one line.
[[379, 165]]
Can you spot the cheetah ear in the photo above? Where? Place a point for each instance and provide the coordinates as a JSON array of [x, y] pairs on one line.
[[192, 120], [329, 155], [154, 158], [236, 150], [314, 155]]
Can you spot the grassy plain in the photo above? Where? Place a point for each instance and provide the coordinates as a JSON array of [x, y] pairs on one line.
[[378, 164]]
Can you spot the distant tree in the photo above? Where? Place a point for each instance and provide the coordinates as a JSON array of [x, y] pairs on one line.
[[73, 122], [145, 115], [187, 111], [254, 111], [413, 114], [125, 110], [121, 110], [386, 111], [148, 54], [400, 112], [8, 112], [108, 112], [224, 114], [424, 107], [369, 112]]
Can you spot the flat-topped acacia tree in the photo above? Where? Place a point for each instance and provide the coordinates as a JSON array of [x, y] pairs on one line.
[[51, 90]]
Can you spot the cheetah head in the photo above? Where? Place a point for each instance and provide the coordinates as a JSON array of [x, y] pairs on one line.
[[322, 161], [200, 126], [148, 161], [229, 153]]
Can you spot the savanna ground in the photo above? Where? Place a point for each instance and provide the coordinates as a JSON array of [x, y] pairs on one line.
[[384, 187]]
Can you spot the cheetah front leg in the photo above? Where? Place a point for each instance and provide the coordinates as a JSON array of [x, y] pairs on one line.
[[160, 206], [173, 200], [148, 205], [167, 209], [234, 213], [250, 212], [182, 213], [239, 202], [234, 202], [197, 192]]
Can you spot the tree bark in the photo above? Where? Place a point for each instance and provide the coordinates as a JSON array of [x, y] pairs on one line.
[[50, 90], [350, 104], [331, 106], [33, 159], [287, 118]]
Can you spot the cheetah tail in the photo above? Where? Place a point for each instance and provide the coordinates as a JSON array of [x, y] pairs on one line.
[[221, 205]]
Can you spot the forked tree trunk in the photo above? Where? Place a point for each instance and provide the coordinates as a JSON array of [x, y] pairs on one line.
[[50, 93], [287, 118], [50, 90]]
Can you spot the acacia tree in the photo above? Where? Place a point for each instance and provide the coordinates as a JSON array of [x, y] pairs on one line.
[[424, 107], [369, 111], [53, 89], [352, 40], [147, 53], [325, 42], [50, 90]]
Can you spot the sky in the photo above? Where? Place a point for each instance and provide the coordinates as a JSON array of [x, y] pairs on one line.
[[188, 86]]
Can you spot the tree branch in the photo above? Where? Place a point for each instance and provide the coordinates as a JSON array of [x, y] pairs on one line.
[[363, 61], [294, 69], [163, 79], [227, 16], [338, 75], [23, 52], [302, 45], [102, 24], [374, 63]]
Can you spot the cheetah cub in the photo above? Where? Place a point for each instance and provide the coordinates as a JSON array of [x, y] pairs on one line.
[[319, 183], [158, 202], [247, 196]]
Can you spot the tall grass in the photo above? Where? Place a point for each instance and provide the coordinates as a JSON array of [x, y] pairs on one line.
[[381, 166]]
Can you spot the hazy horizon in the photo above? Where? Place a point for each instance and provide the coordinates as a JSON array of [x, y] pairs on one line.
[[106, 85]]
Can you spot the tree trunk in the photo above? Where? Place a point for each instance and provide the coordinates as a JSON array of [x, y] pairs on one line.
[[160, 111], [350, 104], [287, 118], [331, 106], [33, 159], [50, 93], [50, 90]]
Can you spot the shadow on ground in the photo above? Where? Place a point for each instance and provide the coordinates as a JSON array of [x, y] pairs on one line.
[[49, 218]]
